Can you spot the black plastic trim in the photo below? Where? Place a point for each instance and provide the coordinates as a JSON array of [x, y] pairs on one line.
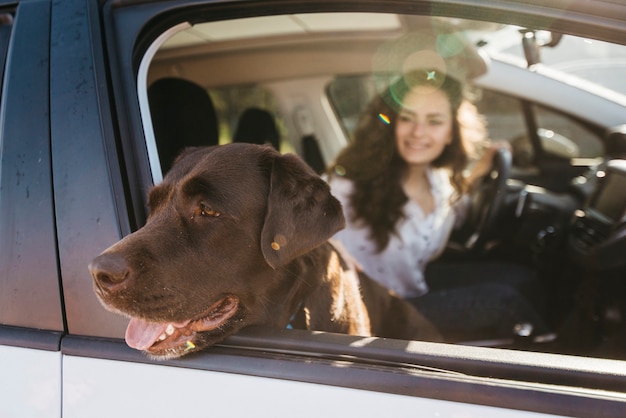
[[30, 338], [490, 377], [592, 373], [30, 293]]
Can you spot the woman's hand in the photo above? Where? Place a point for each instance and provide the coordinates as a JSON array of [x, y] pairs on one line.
[[483, 165]]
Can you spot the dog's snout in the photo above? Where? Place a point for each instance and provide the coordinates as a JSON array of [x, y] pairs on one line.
[[110, 271]]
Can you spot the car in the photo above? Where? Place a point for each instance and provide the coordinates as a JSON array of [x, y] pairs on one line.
[[82, 141]]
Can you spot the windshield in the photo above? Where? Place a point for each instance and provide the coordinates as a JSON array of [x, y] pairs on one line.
[[598, 62]]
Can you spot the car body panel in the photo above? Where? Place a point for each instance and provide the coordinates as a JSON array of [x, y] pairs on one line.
[[172, 391], [417, 369], [30, 382]]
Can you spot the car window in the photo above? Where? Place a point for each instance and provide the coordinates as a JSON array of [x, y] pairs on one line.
[[559, 134], [259, 68], [565, 136], [602, 63], [505, 119]]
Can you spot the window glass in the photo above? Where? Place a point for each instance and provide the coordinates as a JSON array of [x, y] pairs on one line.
[[503, 114], [592, 60], [349, 95], [560, 134], [505, 121], [306, 67], [565, 136]]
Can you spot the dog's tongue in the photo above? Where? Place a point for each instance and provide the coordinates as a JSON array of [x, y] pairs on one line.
[[141, 334]]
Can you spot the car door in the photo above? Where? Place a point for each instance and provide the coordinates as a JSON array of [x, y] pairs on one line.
[[104, 160]]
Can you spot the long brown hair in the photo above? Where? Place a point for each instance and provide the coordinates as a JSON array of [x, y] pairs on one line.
[[372, 161]]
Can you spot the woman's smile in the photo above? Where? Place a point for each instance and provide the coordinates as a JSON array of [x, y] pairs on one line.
[[424, 126]]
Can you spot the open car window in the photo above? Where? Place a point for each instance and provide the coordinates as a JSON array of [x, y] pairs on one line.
[[314, 74]]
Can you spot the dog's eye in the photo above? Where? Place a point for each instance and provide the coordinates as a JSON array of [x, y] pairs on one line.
[[204, 210]]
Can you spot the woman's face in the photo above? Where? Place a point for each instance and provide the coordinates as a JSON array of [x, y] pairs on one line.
[[424, 125]]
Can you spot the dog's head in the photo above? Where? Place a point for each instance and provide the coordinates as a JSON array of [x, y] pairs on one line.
[[222, 225]]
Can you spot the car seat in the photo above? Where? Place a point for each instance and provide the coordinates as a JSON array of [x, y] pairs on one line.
[[616, 142], [257, 126], [183, 115], [312, 155]]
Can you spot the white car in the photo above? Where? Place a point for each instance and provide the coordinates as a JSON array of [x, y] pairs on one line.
[[82, 139]]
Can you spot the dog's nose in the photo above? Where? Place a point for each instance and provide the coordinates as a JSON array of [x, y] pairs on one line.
[[110, 271]]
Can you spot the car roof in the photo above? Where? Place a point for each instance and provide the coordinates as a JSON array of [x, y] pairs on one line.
[[280, 47], [266, 49]]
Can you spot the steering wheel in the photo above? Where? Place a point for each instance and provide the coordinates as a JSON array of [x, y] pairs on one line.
[[488, 200]]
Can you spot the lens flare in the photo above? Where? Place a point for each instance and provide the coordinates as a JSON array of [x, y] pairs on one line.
[[340, 170]]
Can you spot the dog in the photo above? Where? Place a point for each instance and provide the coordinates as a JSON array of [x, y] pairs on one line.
[[238, 235]]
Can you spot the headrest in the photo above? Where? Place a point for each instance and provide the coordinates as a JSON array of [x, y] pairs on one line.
[[182, 116], [616, 142], [257, 126]]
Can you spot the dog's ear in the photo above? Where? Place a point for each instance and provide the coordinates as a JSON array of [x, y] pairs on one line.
[[301, 212]]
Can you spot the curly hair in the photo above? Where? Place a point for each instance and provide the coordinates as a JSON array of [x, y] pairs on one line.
[[372, 162]]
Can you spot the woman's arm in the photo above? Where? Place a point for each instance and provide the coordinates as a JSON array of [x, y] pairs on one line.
[[483, 165]]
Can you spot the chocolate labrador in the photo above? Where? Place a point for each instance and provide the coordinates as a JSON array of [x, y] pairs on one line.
[[238, 235]]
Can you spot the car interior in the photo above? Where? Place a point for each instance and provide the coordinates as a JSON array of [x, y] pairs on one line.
[[555, 202]]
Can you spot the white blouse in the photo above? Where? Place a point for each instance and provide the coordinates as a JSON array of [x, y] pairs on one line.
[[420, 238]]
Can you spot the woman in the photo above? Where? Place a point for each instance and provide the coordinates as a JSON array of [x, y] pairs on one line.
[[403, 184]]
